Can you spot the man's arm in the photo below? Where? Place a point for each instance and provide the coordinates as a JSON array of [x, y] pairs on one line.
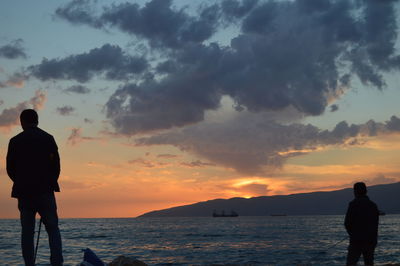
[[55, 160], [11, 161], [348, 220], [377, 213]]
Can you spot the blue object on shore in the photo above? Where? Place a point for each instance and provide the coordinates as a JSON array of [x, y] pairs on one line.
[[90, 257]]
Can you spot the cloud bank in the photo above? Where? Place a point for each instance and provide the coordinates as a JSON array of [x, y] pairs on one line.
[[173, 28], [250, 144], [109, 60], [302, 54]]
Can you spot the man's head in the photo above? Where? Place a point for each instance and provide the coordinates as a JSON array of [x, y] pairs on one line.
[[29, 118], [360, 189]]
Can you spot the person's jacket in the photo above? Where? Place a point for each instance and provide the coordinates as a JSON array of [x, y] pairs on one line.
[[362, 219], [33, 163]]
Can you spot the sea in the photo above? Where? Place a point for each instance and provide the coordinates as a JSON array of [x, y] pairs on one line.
[[269, 240]]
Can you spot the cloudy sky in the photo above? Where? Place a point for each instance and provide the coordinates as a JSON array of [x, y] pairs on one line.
[[161, 103]]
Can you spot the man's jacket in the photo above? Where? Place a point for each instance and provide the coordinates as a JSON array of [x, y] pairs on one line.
[[33, 163], [362, 219]]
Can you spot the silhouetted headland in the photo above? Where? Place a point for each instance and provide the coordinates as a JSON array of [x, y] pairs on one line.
[[314, 203]]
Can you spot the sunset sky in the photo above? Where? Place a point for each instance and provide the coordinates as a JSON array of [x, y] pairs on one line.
[[161, 103]]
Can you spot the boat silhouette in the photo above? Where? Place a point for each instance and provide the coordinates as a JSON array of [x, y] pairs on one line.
[[223, 214]]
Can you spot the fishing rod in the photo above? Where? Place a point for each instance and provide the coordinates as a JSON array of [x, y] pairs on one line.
[[37, 241], [330, 247]]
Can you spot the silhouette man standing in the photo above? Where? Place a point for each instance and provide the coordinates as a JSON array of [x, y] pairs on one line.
[[361, 222], [33, 164]]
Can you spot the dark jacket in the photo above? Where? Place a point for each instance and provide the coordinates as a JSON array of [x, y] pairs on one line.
[[362, 219], [33, 163]]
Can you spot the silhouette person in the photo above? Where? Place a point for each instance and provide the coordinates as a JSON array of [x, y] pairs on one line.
[[361, 223], [33, 164]]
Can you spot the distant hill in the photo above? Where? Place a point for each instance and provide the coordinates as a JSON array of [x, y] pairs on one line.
[[387, 197]]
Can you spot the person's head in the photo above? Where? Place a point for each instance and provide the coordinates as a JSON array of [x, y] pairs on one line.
[[29, 118], [360, 189]]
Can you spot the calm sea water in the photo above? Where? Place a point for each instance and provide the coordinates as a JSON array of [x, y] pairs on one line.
[[289, 240]]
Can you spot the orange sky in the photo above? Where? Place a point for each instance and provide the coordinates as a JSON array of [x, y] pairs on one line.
[[119, 182]]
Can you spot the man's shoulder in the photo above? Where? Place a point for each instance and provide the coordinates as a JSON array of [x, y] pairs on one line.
[[353, 202], [362, 201], [32, 133], [373, 203], [17, 137], [38, 132], [44, 133]]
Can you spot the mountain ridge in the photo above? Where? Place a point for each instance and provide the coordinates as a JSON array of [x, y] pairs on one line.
[[310, 203]]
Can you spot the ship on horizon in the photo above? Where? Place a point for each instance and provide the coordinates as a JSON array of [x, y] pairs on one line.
[[223, 214]]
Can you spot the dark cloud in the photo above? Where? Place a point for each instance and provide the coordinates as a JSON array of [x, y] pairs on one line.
[[261, 18], [381, 24], [147, 163], [196, 164], [167, 156], [393, 124], [10, 116], [334, 107], [251, 144], [76, 137], [246, 143], [109, 60], [178, 100], [234, 9], [173, 29], [78, 12], [79, 89], [65, 110], [300, 54], [13, 50], [287, 54]]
